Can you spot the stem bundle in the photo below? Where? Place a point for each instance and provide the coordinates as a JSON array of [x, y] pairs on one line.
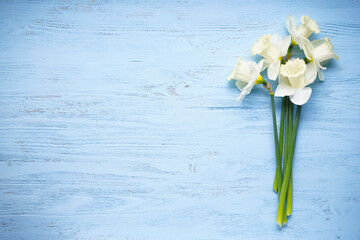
[[284, 149]]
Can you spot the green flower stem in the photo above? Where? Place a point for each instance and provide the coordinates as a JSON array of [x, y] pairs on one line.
[[289, 126], [286, 143], [281, 139], [275, 186], [286, 147], [288, 55], [287, 172], [289, 191], [291, 116], [277, 149], [289, 196]]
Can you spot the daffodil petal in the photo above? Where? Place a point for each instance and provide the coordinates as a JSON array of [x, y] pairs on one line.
[[273, 70], [276, 40], [241, 84], [317, 42], [241, 97], [265, 65], [301, 95], [246, 90], [310, 73], [291, 24], [284, 90], [285, 45], [260, 66], [320, 74], [253, 67], [306, 47], [283, 80], [319, 65]]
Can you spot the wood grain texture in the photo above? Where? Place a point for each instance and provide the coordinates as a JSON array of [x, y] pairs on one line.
[[117, 122]]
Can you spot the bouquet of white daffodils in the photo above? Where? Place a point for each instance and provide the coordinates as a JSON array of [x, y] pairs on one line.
[[294, 76]]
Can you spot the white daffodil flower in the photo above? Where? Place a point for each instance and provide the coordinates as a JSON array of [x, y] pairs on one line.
[[301, 33], [247, 75], [294, 78], [272, 48], [322, 52]]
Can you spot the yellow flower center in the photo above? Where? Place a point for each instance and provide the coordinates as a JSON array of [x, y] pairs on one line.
[[259, 80]]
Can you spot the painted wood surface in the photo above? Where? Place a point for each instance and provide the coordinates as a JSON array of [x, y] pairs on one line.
[[117, 122]]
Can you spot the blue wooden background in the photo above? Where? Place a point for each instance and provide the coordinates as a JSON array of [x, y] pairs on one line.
[[117, 122]]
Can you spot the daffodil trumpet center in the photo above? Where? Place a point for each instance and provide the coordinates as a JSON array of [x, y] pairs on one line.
[[270, 53], [324, 51], [308, 27], [305, 31], [265, 48], [294, 70]]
